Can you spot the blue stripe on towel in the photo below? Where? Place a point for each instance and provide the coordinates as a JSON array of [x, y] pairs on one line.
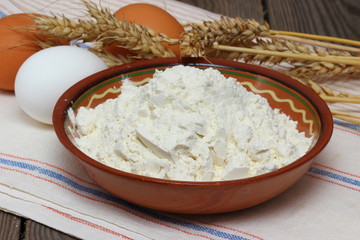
[[334, 176], [347, 124], [2, 14], [112, 198]]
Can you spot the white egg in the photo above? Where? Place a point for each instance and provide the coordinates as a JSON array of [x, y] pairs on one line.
[[47, 74]]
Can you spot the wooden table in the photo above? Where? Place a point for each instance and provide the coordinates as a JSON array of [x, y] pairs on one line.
[[337, 18]]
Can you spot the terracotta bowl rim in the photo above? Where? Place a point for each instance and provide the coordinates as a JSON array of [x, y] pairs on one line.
[[70, 95]]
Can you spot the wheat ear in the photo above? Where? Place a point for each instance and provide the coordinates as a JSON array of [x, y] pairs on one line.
[[324, 70], [199, 40], [112, 60], [326, 91]]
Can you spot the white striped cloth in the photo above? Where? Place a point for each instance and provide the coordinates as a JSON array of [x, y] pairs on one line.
[[41, 180]]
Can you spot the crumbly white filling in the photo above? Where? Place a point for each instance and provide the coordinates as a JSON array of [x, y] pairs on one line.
[[189, 124]]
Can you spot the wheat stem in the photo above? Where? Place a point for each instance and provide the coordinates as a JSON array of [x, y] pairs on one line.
[[340, 99], [318, 37], [353, 96], [336, 112], [317, 43], [347, 119], [329, 58]]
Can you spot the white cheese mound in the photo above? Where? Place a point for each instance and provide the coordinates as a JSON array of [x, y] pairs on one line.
[[189, 124]]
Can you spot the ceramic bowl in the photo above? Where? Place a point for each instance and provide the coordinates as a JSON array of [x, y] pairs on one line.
[[291, 97]]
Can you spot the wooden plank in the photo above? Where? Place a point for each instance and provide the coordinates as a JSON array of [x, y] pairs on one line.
[[37, 231], [10, 226], [241, 8], [322, 17]]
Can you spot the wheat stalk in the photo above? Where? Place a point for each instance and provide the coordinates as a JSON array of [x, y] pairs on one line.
[[325, 90], [65, 28], [112, 60], [289, 54], [318, 43], [349, 117], [341, 99], [317, 63], [202, 37], [100, 20], [50, 42], [206, 39], [107, 30], [101, 15], [324, 70], [318, 37], [238, 39], [137, 38], [330, 95], [131, 36]]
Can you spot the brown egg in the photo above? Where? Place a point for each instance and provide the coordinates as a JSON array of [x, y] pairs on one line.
[[152, 17], [16, 45]]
